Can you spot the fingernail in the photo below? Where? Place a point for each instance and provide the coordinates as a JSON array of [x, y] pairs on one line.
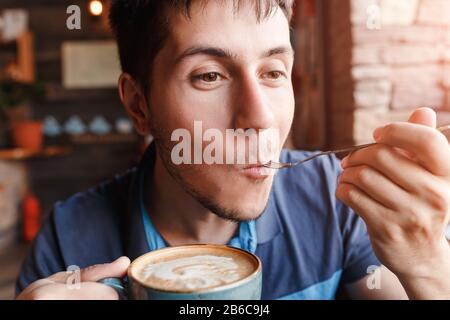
[[377, 133]]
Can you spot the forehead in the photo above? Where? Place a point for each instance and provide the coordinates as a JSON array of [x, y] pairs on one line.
[[218, 23]]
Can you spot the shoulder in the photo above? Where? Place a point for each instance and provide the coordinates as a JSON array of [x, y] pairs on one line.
[[317, 177], [100, 200], [82, 230], [304, 196], [92, 220]]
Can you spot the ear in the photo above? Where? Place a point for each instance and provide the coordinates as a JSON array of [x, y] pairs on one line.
[[134, 103]]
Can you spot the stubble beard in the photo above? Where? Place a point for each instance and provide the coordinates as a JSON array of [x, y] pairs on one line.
[[163, 150]]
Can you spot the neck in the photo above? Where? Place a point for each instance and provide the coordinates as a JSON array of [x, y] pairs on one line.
[[180, 218]]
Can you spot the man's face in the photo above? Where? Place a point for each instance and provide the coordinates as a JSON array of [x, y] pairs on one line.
[[229, 71]]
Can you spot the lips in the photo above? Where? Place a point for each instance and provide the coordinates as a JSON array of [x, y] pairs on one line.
[[257, 165], [257, 171]]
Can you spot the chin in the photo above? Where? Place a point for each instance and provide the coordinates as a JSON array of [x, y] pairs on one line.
[[241, 213], [243, 201], [234, 206], [250, 213], [243, 207]]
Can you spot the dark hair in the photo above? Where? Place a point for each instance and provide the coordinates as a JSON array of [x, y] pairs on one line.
[[141, 27]]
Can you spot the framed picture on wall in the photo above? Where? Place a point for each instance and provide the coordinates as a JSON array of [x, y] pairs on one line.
[[90, 64]]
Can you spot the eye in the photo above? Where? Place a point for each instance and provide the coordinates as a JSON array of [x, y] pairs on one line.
[[208, 77], [274, 75]]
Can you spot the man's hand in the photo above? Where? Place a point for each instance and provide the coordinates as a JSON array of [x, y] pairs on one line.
[[57, 287], [401, 188]]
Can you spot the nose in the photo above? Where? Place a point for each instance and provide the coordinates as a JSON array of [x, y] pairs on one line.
[[252, 108]]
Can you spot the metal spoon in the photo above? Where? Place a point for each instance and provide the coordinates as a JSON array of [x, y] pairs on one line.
[[278, 165]]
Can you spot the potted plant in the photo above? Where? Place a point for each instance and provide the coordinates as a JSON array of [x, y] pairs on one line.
[[15, 113]]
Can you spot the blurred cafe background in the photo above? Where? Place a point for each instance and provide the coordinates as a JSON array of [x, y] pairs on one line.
[[359, 64]]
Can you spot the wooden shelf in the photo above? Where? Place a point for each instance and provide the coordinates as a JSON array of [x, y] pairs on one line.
[[23, 154], [57, 93], [58, 151], [104, 139]]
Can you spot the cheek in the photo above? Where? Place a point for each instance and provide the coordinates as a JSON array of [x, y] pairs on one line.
[[175, 104], [284, 107], [211, 107]]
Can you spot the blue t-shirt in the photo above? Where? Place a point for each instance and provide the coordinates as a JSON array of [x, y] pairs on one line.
[[308, 241]]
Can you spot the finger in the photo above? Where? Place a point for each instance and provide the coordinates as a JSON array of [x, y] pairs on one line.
[[60, 291], [91, 291], [377, 186], [34, 286], [60, 277], [116, 269], [372, 212], [396, 167], [428, 145], [57, 278], [424, 116]]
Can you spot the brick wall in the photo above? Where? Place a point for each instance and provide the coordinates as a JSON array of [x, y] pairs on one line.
[[384, 58]]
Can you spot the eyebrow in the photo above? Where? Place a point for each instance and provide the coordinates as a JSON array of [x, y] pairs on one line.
[[226, 54]]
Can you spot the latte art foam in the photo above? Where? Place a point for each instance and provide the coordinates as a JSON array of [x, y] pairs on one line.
[[195, 272], [193, 268]]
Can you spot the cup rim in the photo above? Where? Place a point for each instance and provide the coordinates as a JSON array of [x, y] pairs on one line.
[[238, 283]]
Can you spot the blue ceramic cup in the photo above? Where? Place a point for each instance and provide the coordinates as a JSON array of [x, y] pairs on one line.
[[187, 263]]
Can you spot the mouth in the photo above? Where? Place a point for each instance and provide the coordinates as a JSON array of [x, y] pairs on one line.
[[256, 171]]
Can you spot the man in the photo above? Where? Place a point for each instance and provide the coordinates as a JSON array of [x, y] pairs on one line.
[[228, 65]]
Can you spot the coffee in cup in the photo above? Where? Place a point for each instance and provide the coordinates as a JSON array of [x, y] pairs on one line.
[[196, 272], [192, 269]]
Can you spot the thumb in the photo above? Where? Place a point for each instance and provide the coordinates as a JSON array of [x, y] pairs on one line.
[[424, 116], [115, 269]]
